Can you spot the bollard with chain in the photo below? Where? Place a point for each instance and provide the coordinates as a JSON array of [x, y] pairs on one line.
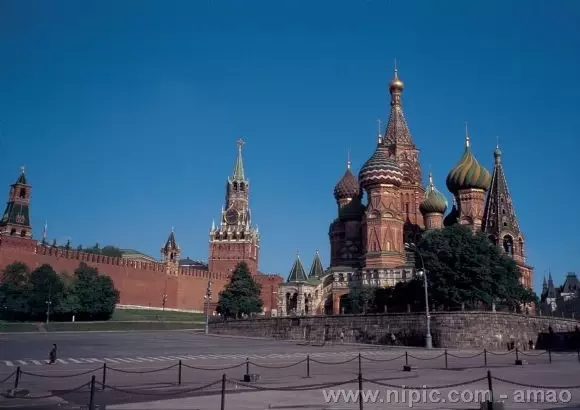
[[247, 365], [490, 388], [179, 374], [360, 392], [406, 367], [17, 379], [485, 357], [104, 379], [223, 404], [92, 396], [518, 361], [359, 363], [308, 366], [446, 358]]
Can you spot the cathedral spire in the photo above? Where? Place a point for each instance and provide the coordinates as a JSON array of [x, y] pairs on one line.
[[16, 218], [397, 131], [239, 166]]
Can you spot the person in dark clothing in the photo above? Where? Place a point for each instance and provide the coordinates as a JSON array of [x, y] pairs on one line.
[[52, 355]]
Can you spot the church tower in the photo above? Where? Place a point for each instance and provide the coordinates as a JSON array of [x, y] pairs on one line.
[[16, 218], [382, 223], [468, 182], [234, 239], [500, 222], [400, 143], [170, 255]]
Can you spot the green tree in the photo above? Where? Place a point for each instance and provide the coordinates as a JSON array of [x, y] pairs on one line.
[[14, 292], [95, 295], [45, 286], [466, 269], [241, 296], [360, 299]]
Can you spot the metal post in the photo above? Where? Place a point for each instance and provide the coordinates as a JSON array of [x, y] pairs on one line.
[[308, 366], [179, 374], [446, 358], [92, 396], [485, 357], [17, 379], [104, 379], [517, 354], [428, 338], [406, 358], [360, 392], [490, 388], [247, 365], [359, 363], [207, 300], [223, 406]]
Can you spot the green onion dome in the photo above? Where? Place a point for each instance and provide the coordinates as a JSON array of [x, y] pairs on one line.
[[434, 202], [468, 174], [380, 168], [348, 186]]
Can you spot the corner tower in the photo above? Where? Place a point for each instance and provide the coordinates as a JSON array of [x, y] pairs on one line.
[[400, 143], [234, 240], [500, 222], [16, 218]]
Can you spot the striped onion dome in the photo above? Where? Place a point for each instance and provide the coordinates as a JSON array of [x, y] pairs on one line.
[[348, 186], [468, 174], [380, 168], [434, 202]]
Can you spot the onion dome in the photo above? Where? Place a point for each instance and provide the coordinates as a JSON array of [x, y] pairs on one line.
[[380, 168], [468, 174], [348, 186], [435, 201], [396, 84], [451, 218]]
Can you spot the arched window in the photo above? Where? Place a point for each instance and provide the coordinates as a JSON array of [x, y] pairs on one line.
[[23, 233], [508, 245], [22, 193]]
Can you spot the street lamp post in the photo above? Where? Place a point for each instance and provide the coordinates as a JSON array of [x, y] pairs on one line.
[[48, 303], [207, 298], [423, 272]]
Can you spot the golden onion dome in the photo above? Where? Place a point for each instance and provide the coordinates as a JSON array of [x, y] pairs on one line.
[[434, 202], [396, 84], [468, 173]]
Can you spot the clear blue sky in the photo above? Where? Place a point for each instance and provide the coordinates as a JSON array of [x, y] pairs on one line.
[[126, 113]]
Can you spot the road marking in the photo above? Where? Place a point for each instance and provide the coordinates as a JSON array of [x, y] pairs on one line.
[[146, 359], [110, 360], [22, 362], [36, 362], [74, 360], [157, 358], [61, 361], [8, 363], [122, 360]]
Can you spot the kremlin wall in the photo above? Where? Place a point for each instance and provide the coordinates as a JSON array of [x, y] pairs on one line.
[[142, 283]]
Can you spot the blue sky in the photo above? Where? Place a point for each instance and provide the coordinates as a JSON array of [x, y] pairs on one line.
[[126, 113]]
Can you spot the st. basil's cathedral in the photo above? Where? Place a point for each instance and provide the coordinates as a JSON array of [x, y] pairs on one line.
[[367, 241]]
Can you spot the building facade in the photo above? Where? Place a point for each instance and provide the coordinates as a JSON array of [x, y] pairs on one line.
[[367, 240], [142, 281]]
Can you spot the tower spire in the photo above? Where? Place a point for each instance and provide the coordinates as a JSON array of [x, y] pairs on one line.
[[348, 163], [467, 140], [239, 167]]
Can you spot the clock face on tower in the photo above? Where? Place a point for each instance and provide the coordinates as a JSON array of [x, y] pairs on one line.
[[232, 216]]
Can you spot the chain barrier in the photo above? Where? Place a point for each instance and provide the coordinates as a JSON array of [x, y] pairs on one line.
[[331, 363], [534, 386], [499, 354], [286, 366], [532, 355], [372, 359], [4, 380], [427, 358], [444, 386], [465, 357], [161, 394], [61, 376], [142, 371], [214, 368]]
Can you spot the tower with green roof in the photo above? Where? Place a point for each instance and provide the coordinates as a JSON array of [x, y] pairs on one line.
[[16, 218], [234, 239]]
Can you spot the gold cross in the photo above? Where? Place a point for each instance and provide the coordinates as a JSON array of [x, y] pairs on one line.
[[240, 143]]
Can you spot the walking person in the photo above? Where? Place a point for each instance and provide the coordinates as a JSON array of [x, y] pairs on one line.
[[52, 355]]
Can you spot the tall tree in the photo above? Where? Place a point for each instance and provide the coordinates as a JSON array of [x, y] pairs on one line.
[[14, 292], [467, 269], [47, 292], [112, 251], [241, 296], [94, 294]]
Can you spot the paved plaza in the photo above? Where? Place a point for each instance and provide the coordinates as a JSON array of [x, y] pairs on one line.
[[291, 375]]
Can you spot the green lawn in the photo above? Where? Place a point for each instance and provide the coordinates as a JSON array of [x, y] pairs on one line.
[[156, 315]]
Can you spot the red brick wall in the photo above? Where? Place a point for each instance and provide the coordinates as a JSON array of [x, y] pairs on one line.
[[139, 283]]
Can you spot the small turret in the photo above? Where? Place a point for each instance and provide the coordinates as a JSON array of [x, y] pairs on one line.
[[170, 255], [433, 206]]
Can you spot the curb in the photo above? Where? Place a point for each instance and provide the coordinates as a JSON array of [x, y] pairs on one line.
[[101, 331]]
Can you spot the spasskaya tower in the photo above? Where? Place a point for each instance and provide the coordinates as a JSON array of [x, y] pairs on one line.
[[234, 239]]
